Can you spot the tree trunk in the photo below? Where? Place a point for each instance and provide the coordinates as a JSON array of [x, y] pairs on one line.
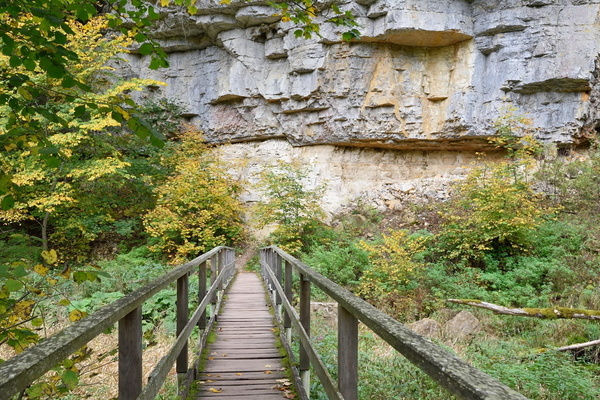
[[547, 313], [45, 231]]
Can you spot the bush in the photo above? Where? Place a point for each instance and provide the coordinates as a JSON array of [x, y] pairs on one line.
[[494, 210], [342, 262]]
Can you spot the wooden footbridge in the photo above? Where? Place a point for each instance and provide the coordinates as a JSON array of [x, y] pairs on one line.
[[243, 337]]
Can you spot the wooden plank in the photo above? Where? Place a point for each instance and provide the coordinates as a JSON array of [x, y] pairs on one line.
[[244, 361]]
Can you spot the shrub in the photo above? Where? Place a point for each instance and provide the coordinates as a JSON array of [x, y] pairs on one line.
[[197, 207], [342, 262], [493, 210], [391, 281], [289, 205]]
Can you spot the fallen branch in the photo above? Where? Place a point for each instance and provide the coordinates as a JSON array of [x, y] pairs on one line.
[[546, 313], [579, 346]]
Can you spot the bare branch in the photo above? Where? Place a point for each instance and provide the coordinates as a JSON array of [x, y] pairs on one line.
[[545, 313], [579, 346]]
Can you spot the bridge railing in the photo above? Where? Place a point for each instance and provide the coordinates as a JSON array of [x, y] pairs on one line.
[[454, 374], [17, 373]]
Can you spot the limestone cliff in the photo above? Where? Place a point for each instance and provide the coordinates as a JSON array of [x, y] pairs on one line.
[[426, 74], [424, 84]]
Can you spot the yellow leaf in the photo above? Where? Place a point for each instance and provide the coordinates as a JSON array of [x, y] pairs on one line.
[[164, 3], [124, 113], [268, 372], [215, 390], [50, 256], [25, 93], [41, 270], [76, 315]]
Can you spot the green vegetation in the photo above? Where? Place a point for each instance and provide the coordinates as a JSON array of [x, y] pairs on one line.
[[95, 203], [197, 207], [293, 209]]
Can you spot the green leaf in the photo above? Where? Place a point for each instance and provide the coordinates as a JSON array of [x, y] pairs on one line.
[[117, 117], [146, 49], [80, 276], [7, 202], [82, 15], [29, 64], [14, 61], [49, 150], [79, 111], [53, 162], [70, 379], [20, 271], [68, 82], [13, 285]]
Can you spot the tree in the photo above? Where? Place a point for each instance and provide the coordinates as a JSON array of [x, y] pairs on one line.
[[77, 149], [288, 205], [33, 35], [197, 207]]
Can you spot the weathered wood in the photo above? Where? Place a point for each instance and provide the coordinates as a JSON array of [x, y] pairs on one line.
[[161, 370], [182, 319], [19, 371], [202, 292], [446, 369], [544, 313], [278, 276], [579, 346], [347, 354], [304, 364], [319, 367], [213, 275], [287, 322], [130, 355], [244, 360]]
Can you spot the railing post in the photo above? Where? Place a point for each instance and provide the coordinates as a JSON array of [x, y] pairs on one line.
[[182, 319], [278, 276], [213, 277], [304, 360], [202, 292], [287, 321], [347, 354], [130, 355], [220, 266]]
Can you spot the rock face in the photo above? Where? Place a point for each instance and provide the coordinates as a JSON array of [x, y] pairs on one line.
[[387, 179], [426, 74]]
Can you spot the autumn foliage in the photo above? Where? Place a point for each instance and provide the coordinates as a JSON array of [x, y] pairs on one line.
[[197, 208]]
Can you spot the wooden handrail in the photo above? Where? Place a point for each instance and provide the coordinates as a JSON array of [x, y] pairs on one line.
[[17, 373], [454, 374]]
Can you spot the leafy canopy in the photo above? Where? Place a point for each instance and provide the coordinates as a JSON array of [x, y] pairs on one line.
[[34, 37], [197, 208], [288, 204]]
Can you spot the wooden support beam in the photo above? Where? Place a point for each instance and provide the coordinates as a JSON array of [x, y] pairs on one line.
[[304, 359], [202, 292], [130, 355], [182, 319], [347, 354]]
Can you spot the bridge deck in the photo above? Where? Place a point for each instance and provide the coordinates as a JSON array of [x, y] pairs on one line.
[[244, 361]]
